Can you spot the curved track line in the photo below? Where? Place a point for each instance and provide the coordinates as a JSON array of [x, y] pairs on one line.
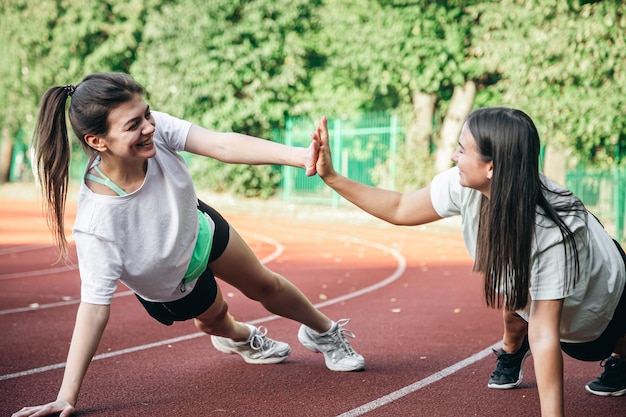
[[279, 251], [38, 272], [26, 248], [394, 276], [372, 405], [57, 304]]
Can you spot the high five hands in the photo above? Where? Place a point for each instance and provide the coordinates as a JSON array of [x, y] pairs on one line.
[[324, 163]]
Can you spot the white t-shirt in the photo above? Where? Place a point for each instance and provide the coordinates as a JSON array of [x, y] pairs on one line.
[[589, 306], [146, 238]]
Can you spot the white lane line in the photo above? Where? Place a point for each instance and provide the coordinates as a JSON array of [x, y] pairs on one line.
[[277, 252], [372, 405], [38, 272], [397, 273], [57, 304], [394, 276], [25, 248]]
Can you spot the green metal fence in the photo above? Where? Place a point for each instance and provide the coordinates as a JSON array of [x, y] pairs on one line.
[[363, 150], [604, 194], [359, 147]]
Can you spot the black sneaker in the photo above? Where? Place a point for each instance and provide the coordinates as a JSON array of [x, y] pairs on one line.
[[509, 368], [612, 382]]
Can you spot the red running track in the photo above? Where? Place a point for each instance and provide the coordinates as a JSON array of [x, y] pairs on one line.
[[415, 307]]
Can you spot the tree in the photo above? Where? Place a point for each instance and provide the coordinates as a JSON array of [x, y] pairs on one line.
[[51, 43], [230, 66], [563, 63], [412, 56]]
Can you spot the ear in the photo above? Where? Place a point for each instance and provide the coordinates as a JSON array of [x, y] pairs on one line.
[[95, 142], [490, 170]]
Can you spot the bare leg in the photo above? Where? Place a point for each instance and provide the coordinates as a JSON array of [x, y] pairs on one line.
[[239, 267], [515, 328], [216, 320]]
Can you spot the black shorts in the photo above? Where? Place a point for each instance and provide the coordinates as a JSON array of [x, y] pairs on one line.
[[603, 346], [203, 294]]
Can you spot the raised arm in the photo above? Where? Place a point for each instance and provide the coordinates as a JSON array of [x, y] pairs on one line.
[[237, 148], [408, 209], [91, 321]]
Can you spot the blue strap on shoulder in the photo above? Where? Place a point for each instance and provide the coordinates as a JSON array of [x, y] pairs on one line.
[[104, 180]]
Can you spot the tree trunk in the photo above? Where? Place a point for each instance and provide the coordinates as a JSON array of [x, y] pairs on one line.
[[460, 106], [419, 133], [555, 163], [6, 153]]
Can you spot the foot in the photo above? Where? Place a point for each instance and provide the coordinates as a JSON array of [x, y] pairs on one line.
[[338, 354], [509, 368], [612, 382], [258, 349]]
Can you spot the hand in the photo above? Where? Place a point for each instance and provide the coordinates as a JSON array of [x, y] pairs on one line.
[[324, 163], [310, 159], [59, 406]]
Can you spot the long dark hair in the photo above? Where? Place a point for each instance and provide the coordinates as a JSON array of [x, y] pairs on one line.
[[509, 138], [91, 102]]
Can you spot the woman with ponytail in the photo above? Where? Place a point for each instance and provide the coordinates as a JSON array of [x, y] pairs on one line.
[[140, 222]]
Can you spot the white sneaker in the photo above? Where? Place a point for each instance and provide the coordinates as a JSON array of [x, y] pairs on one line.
[[338, 354], [258, 349]]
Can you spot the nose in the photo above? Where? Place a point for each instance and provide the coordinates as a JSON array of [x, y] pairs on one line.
[[148, 127], [455, 156]]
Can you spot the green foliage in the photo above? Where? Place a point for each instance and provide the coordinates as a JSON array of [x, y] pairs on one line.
[[563, 63], [229, 66], [59, 42], [224, 64], [244, 65], [248, 181]]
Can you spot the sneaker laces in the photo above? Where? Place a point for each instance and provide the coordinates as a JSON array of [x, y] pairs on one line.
[[339, 337], [613, 367], [503, 358], [259, 341]]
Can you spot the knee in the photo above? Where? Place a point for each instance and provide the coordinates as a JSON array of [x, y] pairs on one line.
[[512, 318], [212, 319], [267, 288]]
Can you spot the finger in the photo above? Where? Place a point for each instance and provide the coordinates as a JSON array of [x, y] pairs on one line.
[[67, 412], [313, 155], [24, 411], [323, 130]]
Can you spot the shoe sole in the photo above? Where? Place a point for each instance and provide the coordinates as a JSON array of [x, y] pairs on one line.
[[605, 393], [260, 361], [516, 383], [304, 340]]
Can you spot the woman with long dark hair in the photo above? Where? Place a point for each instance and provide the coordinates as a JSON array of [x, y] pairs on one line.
[[545, 259]]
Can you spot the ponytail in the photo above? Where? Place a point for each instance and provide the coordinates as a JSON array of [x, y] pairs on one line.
[[52, 158], [92, 101]]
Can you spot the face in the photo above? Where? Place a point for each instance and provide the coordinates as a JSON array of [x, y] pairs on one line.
[[475, 173], [131, 127]]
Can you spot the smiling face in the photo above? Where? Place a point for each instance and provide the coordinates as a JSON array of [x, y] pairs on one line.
[[475, 172], [129, 136]]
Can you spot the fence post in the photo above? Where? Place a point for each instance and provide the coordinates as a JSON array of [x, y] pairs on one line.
[[393, 149], [619, 203]]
